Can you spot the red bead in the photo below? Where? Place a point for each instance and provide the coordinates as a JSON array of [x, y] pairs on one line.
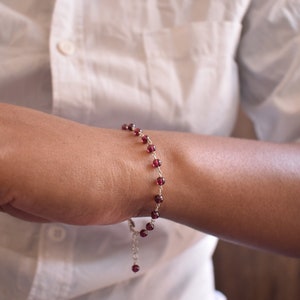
[[156, 163], [124, 126], [160, 180], [137, 131], [151, 148], [145, 139], [131, 126], [158, 199], [155, 214], [143, 233], [149, 226], [135, 268]]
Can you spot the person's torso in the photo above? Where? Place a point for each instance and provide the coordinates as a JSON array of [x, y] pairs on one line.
[[163, 64]]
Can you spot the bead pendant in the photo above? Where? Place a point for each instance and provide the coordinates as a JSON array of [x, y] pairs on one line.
[[135, 268]]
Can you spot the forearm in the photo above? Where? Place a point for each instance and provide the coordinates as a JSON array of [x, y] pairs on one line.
[[243, 191], [56, 170]]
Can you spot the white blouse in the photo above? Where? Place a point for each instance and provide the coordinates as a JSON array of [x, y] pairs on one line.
[[168, 64]]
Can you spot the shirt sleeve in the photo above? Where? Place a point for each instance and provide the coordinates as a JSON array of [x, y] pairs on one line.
[[269, 62]]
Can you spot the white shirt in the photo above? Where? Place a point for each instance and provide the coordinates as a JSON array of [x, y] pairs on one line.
[[164, 65]]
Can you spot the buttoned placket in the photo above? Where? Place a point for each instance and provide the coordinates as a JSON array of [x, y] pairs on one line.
[[54, 274], [70, 83]]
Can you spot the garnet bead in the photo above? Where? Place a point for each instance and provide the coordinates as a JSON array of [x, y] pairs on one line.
[[135, 268], [155, 214], [137, 131], [158, 199], [156, 163], [145, 139], [149, 226], [124, 126], [160, 180], [143, 233], [131, 126], [151, 148]]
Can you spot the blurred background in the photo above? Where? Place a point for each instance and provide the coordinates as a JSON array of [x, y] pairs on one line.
[[247, 274]]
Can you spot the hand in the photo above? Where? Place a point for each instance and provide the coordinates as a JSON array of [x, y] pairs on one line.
[[53, 169]]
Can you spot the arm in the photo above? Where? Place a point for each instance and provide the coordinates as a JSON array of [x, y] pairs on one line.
[[56, 170], [244, 191]]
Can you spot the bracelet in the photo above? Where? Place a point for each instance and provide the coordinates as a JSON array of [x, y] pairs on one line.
[[158, 198]]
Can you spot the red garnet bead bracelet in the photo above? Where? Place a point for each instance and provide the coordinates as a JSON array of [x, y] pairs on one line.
[[158, 198]]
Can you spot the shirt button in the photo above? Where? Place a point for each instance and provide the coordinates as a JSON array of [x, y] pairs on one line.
[[56, 233], [66, 47]]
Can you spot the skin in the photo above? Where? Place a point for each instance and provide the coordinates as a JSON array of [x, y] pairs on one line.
[[244, 191]]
